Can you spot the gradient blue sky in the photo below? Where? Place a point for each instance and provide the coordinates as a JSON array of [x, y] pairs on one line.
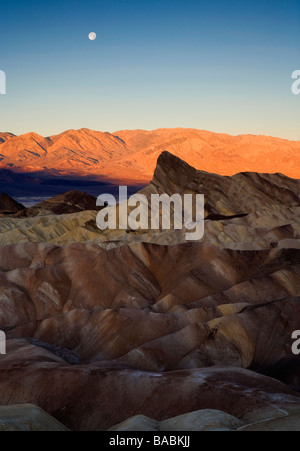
[[223, 66]]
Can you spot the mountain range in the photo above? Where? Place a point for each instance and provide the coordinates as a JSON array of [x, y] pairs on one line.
[[130, 156]]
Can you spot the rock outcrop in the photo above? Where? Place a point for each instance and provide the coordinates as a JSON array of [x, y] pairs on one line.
[[9, 206], [27, 418], [63, 204], [288, 423], [210, 421], [202, 420], [242, 194]]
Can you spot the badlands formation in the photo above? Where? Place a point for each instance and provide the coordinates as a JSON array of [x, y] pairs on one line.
[[145, 331], [246, 211]]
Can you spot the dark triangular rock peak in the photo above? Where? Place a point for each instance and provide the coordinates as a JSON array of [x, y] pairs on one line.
[[168, 161], [8, 204]]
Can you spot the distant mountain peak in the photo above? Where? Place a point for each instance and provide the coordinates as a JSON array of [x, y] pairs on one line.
[[130, 156]]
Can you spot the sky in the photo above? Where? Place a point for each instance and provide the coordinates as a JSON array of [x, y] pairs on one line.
[[223, 66]]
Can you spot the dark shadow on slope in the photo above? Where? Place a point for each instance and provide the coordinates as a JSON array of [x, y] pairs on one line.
[[286, 370], [215, 217], [66, 354]]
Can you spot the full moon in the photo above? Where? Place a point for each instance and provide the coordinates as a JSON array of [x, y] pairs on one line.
[[92, 36]]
